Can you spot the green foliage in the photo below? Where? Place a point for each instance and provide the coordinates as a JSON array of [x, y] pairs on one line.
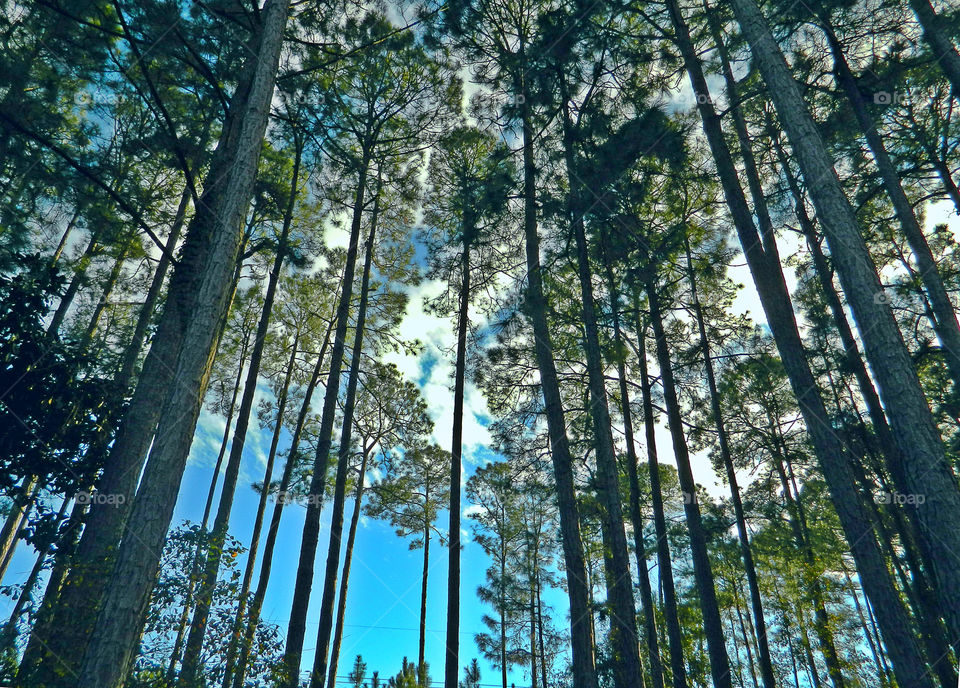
[[151, 669], [52, 412]]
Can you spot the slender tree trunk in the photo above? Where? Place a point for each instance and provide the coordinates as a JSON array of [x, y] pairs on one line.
[[852, 354], [943, 171], [812, 672], [636, 516], [793, 656], [258, 520], [191, 656], [347, 559], [801, 535], [664, 564], [60, 647], [8, 634], [935, 33], [543, 654], [202, 542], [68, 230], [876, 633], [927, 471], [296, 629], [194, 319], [107, 290], [16, 520], [581, 634], [319, 673], [422, 644], [451, 668], [702, 570], [623, 631], [253, 618], [945, 318], [778, 310], [79, 275], [746, 553], [737, 664], [746, 641], [503, 614], [881, 675], [533, 625], [850, 347], [145, 317], [929, 615], [88, 571]]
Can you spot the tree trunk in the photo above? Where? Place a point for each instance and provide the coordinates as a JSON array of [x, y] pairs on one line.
[[737, 664], [801, 535], [503, 614], [623, 630], [881, 675], [319, 673], [191, 319], [667, 587], [636, 516], [258, 521], [746, 553], [929, 615], [108, 286], [925, 466], [296, 629], [347, 559], [15, 521], [68, 230], [943, 171], [581, 634], [935, 34], [422, 640], [195, 570], [451, 668], [253, 618], [812, 672], [746, 639], [79, 275], [543, 655], [533, 625], [850, 347], [702, 570], [191, 656], [145, 317]]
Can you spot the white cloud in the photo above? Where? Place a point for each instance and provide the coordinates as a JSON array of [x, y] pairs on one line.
[[438, 338]]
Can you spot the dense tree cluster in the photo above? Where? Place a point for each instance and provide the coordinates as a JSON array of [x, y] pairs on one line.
[[226, 210]]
